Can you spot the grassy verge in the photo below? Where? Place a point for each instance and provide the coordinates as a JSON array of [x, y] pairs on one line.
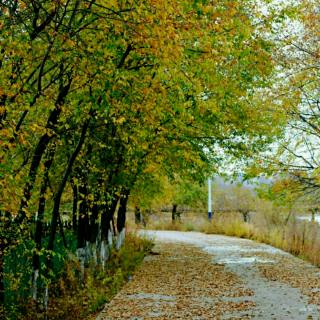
[[73, 298], [300, 239]]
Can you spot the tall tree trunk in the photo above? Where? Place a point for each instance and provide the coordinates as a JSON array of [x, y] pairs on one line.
[[107, 216], [94, 223], [83, 224], [106, 234], [35, 163], [94, 242], [62, 232], [39, 224], [74, 206], [57, 198], [40, 150], [121, 219], [83, 220]]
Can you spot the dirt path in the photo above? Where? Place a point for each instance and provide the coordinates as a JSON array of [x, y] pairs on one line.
[[198, 276]]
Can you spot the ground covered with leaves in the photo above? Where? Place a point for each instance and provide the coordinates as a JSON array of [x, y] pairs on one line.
[[196, 276], [298, 275], [179, 282]]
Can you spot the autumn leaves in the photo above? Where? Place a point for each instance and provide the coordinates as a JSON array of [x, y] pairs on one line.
[[96, 96]]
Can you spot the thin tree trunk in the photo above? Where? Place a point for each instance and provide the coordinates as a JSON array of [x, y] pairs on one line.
[[40, 150], [94, 223], [57, 198], [174, 212], [83, 225], [35, 163], [121, 219], [94, 230], [39, 224], [137, 215], [288, 217], [114, 231], [83, 216], [245, 216], [74, 206], [62, 232]]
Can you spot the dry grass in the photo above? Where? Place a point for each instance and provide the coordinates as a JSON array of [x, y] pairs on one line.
[[301, 238]]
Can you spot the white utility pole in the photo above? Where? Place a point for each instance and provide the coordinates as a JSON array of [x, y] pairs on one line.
[[209, 199]]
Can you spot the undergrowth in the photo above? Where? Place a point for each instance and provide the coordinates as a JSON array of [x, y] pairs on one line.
[[73, 298]]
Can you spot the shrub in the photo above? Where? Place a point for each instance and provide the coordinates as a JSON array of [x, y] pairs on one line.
[[74, 298]]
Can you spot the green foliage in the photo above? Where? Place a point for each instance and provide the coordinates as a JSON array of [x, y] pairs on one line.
[[70, 297], [18, 270], [100, 99], [159, 191]]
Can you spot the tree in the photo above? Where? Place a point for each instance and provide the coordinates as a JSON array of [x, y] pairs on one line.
[[94, 93], [297, 156], [235, 198]]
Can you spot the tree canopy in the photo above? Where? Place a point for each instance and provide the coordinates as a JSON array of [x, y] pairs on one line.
[[97, 97]]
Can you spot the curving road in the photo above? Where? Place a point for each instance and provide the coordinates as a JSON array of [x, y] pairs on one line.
[[199, 276]]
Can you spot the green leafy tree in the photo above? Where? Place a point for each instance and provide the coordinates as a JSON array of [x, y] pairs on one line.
[[94, 93]]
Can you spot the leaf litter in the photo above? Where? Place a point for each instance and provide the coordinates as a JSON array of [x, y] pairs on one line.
[[181, 282]]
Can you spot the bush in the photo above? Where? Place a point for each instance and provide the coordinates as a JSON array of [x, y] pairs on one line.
[[74, 298]]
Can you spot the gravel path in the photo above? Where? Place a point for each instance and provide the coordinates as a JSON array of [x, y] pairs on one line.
[[198, 276]]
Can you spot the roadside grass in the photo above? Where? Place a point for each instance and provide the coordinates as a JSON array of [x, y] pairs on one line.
[[74, 298], [300, 238]]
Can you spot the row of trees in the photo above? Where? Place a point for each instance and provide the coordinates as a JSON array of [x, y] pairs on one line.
[[186, 196], [99, 98]]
